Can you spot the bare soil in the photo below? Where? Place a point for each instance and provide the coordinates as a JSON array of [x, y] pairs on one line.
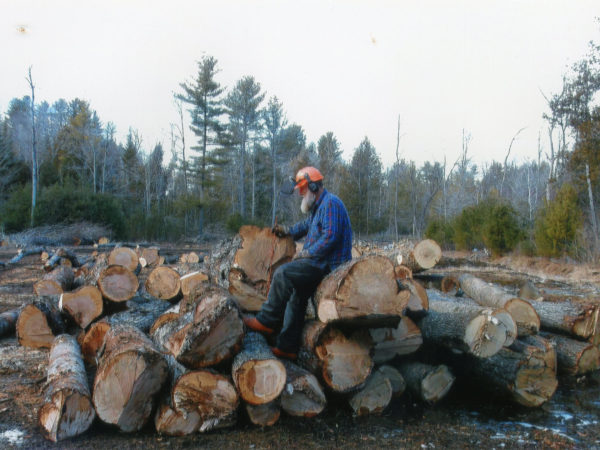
[[466, 418]]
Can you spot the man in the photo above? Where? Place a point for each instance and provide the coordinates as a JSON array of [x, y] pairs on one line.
[[328, 244]]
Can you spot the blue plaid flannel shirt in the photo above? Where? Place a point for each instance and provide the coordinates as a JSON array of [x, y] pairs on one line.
[[328, 232]]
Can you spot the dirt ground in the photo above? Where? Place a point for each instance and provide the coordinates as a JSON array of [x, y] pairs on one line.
[[466, 418]]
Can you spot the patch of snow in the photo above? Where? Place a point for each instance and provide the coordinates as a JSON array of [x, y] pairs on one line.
[[13, 436]]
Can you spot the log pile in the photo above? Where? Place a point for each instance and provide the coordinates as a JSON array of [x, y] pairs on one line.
[[159, 339]]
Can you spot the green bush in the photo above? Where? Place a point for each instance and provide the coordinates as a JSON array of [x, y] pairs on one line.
[[15, 213], [558, 223], [501, 230], [468, 225], [440, 231], [236, 221]]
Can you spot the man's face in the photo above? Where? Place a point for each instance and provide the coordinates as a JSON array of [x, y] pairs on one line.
[[308, 200]]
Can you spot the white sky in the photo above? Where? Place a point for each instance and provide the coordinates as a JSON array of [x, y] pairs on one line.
[[347, 66]]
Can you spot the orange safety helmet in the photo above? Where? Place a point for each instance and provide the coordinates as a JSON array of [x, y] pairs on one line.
[[308, 177]]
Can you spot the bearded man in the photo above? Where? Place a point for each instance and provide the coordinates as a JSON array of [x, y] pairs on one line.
[[328, 244]]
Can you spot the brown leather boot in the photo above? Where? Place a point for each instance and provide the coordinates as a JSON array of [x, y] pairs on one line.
[[255, 325], [282, 354]]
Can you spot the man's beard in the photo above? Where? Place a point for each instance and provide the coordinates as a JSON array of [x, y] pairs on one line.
[[308, 201]]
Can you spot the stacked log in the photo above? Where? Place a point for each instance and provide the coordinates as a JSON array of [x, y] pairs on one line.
[[39, 322], [117, 283], [8, 320], [55, 282], [427, 382], [83, 306], [164, 283], [126, 257], [303, 395], [424, 255]]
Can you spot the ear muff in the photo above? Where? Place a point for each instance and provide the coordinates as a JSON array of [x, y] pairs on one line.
[[312, 186]]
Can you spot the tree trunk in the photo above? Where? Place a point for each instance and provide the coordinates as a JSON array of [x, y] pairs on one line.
[[117, 283], [67, 410], [427, 383], [257, 374], [39, 322], [58, 257], [55, 282], [207, 336], [8, 320], [575, 319], [574, 357], [164, 283], [130, 372], [387, 343], [126, 257], [83, 305], [527, 319], [424, 255], [265, 414], [360, 289], [374, 397], [303, 396], [245, 264], [343, 363], [446, 283]]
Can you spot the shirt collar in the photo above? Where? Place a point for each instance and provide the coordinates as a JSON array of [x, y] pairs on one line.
[[319, 200]]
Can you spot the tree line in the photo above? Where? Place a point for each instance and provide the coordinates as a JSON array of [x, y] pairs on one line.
[[226, 167]]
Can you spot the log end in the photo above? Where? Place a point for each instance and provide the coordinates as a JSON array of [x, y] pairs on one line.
[[68, 414], [261, 381]]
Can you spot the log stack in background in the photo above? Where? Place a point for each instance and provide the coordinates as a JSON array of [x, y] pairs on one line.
[[171, 339]]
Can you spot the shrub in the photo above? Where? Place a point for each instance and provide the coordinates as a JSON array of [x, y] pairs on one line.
[[467, 226], [501, 230], [440, 231], [15, 213]]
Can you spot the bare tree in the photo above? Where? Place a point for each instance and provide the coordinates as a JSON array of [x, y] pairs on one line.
[[34, 164], [512, 141]]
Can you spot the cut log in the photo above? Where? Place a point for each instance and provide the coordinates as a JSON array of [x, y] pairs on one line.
[[374, 397], [448, 284], [130, 373], [387, 343], [83, 305], [500, 316], [575, 319], [67, 410], [194, 284], [526, 371], [528, 291], [209, 335], [574, 357], [396, 379], [424, 255], [55, 282], [343, 363], [265, 414], [403, 273], [117, 283], [426, 382], [364, 288], [302, 396], [526, 318], [245, 264], [164, 283], [257, 374], [150, 255], [126, 257], [8, 320], [141, 313], [418, 302], [39, 322], [58, 257]]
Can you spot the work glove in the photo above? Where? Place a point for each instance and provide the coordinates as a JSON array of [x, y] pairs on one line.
[[302, 254], [280, 231]]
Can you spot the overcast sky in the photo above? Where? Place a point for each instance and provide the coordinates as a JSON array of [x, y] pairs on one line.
[[347, 66]]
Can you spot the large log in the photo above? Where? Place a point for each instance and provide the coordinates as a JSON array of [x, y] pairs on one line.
[[130, 373], [303, 395], [426, 382], [8, 320], [374, 397], [193, 284], [141, 313], [39, 322], [396, 379], [206, 336], [389, 342], [365, 288], [164, 283], [580, 320], [126, 257], [343, 363], [424, 255], [526, 317], [265, 414], [418, 302], [55, 282], [245, 264], [117, 283], [84, 305], [67, 410], [257, 374], [574, 357]]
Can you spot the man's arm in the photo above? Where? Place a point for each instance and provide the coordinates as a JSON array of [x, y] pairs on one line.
[[299, 229]]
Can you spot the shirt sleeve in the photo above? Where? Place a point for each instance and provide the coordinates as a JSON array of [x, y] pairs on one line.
[[299, 230], [330, 231]]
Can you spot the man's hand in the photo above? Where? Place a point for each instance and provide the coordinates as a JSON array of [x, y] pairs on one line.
[[280, 231], [302, 254]]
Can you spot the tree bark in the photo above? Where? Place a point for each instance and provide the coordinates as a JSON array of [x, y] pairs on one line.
[[575, 319], [67, 410], [83, 305], [303, 395], [8, 320], [360, 289], [257, 374], [164, 283], [428, 383], [574, 357], [526, 317], [117, 284], [130, 373]]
